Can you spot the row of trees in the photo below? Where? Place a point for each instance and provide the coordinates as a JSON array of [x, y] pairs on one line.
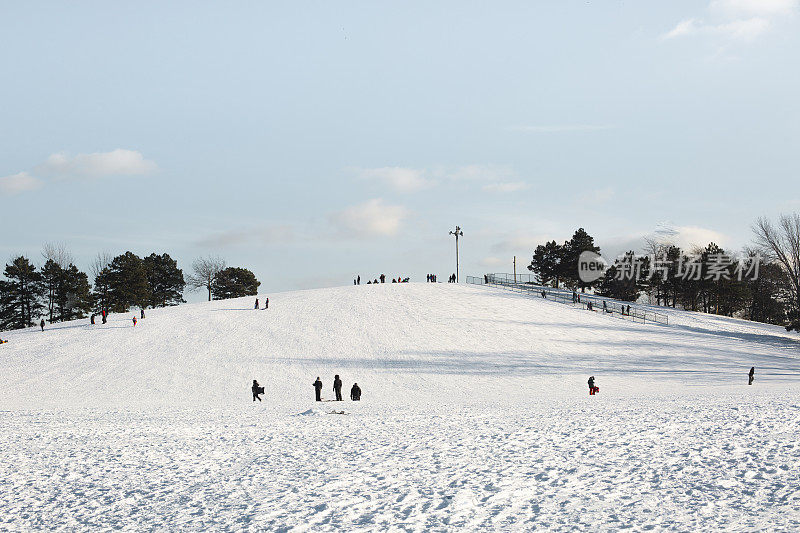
[[762, 284], [59, 291]]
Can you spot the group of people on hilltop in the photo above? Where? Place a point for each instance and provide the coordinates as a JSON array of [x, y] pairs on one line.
[[452, 278], [382, 278], [430, 278], [266, 304]]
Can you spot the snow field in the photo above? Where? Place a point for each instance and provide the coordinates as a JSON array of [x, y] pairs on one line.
[[475, 416]]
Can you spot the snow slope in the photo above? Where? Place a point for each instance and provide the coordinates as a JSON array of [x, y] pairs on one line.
[[474, 416], [393, 339]]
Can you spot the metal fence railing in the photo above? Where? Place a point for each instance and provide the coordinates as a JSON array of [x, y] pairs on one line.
[[527, 284]]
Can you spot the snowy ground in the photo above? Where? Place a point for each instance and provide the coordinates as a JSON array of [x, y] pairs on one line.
[[475, 416]]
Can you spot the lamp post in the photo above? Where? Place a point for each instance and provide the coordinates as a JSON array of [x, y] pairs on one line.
[[458, 233]]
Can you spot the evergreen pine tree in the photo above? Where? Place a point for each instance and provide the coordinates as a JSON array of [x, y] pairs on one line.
[[234, 282], [21, 295], [571, 251], [127, 283], [165, 280]]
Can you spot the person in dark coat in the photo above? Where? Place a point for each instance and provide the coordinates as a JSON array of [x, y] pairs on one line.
[[337, 387], [318, 389], [42, 324], [750, 375], [266, 303], [591, 385], [383, 278], [358, 279], [91, 319], [355, 393], [257, 391], [256, 307], [142, 312]]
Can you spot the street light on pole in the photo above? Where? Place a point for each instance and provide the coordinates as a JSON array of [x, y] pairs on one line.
[[458, 233]]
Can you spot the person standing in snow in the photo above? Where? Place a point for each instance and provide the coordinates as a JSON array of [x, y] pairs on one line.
[[256, 307], [337, 387], [750, 375], [257, 391], [383, 278], [318, 389], [358, 279], [134, 321], [42, 324], [266, 303], [591, 386], [355, 392], [142, 313], [91, 319]]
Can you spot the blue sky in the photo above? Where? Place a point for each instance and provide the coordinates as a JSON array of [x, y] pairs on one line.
[[313, 141]]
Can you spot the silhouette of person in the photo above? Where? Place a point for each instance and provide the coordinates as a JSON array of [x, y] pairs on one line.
[[318, 389], [337, 387]]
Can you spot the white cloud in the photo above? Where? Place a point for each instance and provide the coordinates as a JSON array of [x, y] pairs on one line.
[[476, 173], [690, 237], [506, 187], [119, 162], [742, 30], [399, 178], [370, 219], [405, 179], [17, 183], [684, 27], [735, 20]]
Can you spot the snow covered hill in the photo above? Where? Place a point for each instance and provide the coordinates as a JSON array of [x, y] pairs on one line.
[[474, 416], [433, 341]]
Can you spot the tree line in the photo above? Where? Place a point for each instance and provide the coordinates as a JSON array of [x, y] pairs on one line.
[[57, 290], [762, 283]]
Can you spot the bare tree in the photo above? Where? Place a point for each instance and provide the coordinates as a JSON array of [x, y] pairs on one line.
[[57, 253], [204, 273], [782, 245], [100, 263]]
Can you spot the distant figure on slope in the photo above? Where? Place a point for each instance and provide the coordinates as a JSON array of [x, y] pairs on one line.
[[105, 316], [605, 307], [134, 321], [383, 278], [355, 392], [358, 279], [318, 389], [629, 310], [750, 375], [266, 303], [574, 297], [42, 324], [91, 319], [337, 387], [257, 391], [256, 307], [142, 313], [592, 388]]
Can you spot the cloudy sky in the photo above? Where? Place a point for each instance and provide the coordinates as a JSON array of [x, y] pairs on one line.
[[313, 141]]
